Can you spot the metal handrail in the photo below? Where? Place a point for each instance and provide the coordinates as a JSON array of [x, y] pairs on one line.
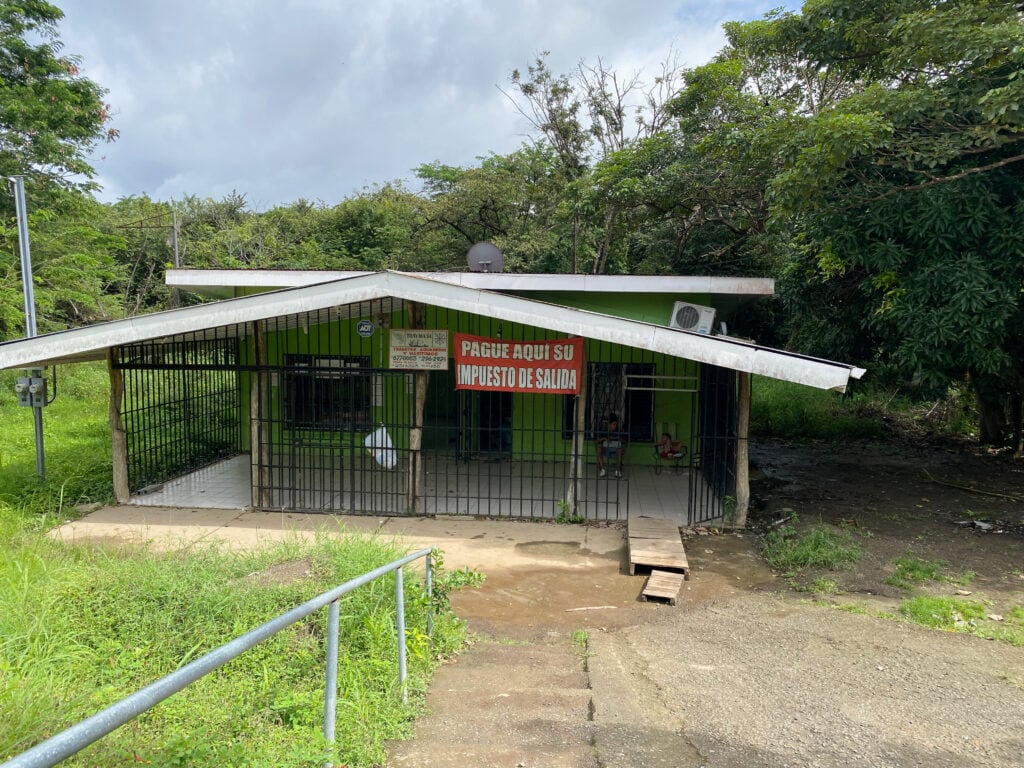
[[92, 729]]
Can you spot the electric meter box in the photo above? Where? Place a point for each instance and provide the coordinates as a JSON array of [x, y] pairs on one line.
[[31, 391]]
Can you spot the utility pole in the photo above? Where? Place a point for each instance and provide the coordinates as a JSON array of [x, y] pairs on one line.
[[175, 293], [31, 389]]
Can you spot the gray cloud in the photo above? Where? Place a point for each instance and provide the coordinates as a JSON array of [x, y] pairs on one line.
[[318, 99]]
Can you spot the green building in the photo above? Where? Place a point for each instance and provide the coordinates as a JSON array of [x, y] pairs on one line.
[[498, 395]]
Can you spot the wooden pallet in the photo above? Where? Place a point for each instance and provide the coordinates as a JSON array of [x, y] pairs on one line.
[[663, 585], [654, 542]]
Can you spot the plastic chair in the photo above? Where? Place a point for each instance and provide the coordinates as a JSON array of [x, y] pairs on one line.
[[676, 461]]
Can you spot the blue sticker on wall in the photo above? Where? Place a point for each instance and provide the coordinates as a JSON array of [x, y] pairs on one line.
[[365, 328]]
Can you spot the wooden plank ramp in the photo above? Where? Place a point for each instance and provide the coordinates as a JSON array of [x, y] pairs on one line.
[[663, 585], [654, 542]]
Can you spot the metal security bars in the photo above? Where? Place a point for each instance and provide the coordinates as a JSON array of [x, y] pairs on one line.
[[180, 407], [79, 736], [331, 427], [713, 449]]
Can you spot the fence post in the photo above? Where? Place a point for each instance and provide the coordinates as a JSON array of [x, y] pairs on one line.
[[400, 621], [430, 594], [331, 678]]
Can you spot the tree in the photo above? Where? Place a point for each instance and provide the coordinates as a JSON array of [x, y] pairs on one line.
[[693, 193], [585, 118], [51, 116], [76, 277], [516, 201], [913, 184], [374, 230]]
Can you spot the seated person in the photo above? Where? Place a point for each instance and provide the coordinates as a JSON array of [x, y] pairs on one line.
[[669, 448], [610, 446]]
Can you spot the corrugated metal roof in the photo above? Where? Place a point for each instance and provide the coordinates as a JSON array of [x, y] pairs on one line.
[[92, 342]]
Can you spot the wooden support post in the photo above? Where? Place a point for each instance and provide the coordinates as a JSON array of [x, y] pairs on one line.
[[258, 438], [572, 496], [119, 443], [742, 452], [420, 380]]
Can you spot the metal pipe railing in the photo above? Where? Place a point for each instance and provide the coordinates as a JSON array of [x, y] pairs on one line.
[[92, 729]]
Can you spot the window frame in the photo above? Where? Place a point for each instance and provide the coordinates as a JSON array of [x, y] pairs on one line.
[[327, 392]]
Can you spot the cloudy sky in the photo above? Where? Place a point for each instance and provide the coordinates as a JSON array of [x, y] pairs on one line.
[[318, 99]]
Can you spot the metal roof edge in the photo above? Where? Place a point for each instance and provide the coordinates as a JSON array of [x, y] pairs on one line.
[[222, 279], [90, 342]]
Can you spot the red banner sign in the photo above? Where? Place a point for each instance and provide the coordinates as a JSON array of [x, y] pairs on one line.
[[496, 365]]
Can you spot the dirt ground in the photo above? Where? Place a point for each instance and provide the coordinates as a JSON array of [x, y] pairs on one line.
[[898, 500], [751, 669]]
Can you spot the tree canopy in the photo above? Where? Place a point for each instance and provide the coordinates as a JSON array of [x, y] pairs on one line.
[[867, 154], [51, 116]]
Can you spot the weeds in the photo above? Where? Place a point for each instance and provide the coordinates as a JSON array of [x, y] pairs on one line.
[[446, 582], [823, 586], [566, 516], [912, 570], [92, 625], [790, 551], [581, 641], [969, 616], [783, 409]]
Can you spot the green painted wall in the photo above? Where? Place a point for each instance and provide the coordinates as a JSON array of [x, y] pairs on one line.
[[537, 418], [653, 308]]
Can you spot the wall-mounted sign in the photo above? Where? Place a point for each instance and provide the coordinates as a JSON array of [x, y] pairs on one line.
[[418, 349], [551, 367], [365, 328]]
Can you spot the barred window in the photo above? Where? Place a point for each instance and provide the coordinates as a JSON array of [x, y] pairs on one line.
[[620, 389], [327, 392]]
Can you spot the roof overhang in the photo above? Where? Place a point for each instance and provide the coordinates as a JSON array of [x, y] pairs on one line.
[[222, 283], [92, 342]]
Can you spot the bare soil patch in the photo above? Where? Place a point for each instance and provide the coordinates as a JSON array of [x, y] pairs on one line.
[[903, 500]]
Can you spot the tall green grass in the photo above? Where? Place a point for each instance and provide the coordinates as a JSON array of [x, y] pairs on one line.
[[784, 409], [76, 436], [85, 626], [82, 627], [787, 410]]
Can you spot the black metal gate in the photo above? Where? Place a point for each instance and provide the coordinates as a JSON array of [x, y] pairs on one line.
[[713, 450]]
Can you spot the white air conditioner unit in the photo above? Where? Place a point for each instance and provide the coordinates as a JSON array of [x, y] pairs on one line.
[[692, 317]]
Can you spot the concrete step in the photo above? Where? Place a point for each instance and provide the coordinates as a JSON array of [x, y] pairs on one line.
[[535, 704], [491, 667], [472, 756], [515, 705]]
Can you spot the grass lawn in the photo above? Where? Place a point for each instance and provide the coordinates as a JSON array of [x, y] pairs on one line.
[[86, 626]]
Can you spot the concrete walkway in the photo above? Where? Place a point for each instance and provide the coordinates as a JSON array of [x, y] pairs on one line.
[[466, 541]]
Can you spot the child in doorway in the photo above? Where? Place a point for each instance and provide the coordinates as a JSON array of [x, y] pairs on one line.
[[609, 446], [669, 448]]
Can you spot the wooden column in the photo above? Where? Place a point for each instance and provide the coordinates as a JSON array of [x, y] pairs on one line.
[[119, 443], [258, 438], [742, 453], [420, 381], [578, 442]]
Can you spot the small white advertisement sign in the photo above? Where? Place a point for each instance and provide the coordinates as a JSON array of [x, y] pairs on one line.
[[421, 350]]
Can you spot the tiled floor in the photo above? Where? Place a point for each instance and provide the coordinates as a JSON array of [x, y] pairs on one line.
[[479, 489], [224, 485]]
